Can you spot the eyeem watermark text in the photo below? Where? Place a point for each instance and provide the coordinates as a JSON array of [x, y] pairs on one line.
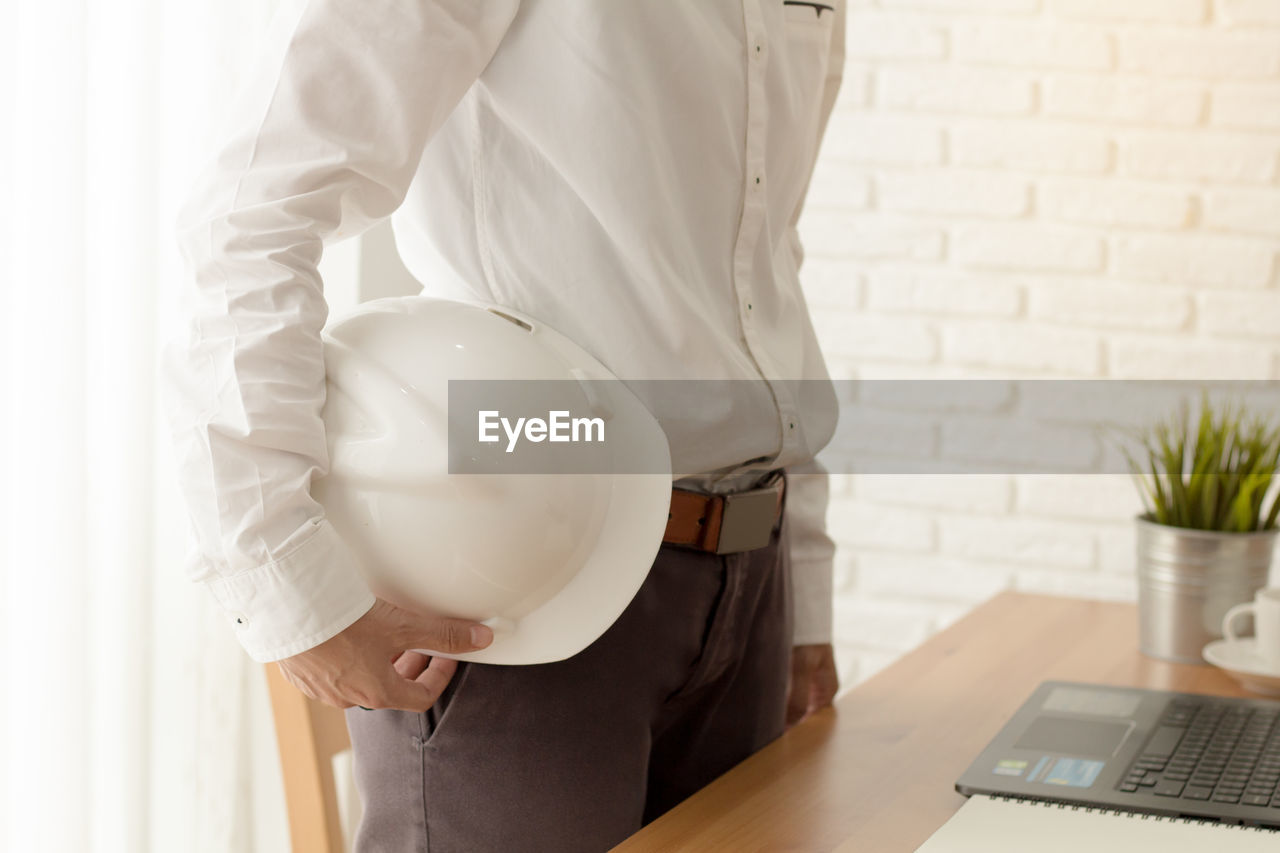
[[558, 427]]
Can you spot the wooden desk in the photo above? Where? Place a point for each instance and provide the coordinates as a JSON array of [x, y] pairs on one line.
[[876, 773]]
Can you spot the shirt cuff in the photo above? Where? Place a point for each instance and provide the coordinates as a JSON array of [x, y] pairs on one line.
[[812, 554], [298, 600], [811, 586]]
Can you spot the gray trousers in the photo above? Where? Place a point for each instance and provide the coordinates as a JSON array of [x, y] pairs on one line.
[[579, 754]]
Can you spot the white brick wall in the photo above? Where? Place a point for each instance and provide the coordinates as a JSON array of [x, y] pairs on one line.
[[1250, 12], [1047, 188]]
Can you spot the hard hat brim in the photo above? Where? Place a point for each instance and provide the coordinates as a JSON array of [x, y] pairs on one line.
[[592, 601], [628, 542]]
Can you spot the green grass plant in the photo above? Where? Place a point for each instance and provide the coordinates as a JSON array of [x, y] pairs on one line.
[[1208, 473]]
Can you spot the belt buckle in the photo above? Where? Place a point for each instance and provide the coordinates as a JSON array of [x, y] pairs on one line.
[[748, 519]]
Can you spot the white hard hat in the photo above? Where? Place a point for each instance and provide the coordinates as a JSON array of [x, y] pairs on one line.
[[548, 560]]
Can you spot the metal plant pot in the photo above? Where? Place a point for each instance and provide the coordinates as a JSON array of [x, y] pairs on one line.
[[1188, 580]]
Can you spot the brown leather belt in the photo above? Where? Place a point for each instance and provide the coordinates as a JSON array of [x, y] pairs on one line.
[[725, 524]]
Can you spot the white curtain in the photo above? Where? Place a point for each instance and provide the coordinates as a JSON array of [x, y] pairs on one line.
[[129, 719]]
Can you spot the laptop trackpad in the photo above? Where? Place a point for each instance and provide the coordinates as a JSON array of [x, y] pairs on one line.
[[1068, 736]]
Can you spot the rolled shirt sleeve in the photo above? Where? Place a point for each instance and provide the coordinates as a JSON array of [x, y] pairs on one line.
[[324, 142]]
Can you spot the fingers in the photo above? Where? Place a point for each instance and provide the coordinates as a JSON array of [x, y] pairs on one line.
[[438, 674], [826, 683], [814, 681], [798, 695], [432, 672], [406, 695], [365, 665], [395, 689], [411, 664], [797, 708]]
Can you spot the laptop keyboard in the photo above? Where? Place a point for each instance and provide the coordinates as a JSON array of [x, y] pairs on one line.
[[1206, 750]]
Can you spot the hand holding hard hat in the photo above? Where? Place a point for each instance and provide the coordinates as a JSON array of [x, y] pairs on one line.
[[548, 560]]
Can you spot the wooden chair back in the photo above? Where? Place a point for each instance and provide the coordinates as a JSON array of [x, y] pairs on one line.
[[309, 735]]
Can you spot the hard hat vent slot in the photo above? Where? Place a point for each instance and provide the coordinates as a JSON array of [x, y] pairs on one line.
[[521, 323]]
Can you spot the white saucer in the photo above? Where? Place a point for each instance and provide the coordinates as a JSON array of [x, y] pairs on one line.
[[1239, 658]]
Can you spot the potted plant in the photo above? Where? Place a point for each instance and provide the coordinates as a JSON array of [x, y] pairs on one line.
[[1204, 542]]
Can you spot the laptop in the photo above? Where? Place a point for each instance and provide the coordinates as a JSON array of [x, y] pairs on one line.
[[1128, 749]]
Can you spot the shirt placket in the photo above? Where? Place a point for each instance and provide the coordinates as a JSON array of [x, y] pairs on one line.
[[753, 213]]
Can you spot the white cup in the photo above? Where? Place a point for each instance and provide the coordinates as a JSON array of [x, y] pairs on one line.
[[1265, 608]]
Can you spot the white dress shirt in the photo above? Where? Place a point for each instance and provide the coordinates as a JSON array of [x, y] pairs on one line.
[[630, 172]]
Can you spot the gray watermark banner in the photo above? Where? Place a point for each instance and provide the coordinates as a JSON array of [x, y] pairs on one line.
[[928, 426]]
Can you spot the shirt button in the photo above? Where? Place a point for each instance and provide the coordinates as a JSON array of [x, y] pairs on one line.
[[241, 620]]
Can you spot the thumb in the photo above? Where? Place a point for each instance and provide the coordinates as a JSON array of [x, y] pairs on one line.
[[442, 634]]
